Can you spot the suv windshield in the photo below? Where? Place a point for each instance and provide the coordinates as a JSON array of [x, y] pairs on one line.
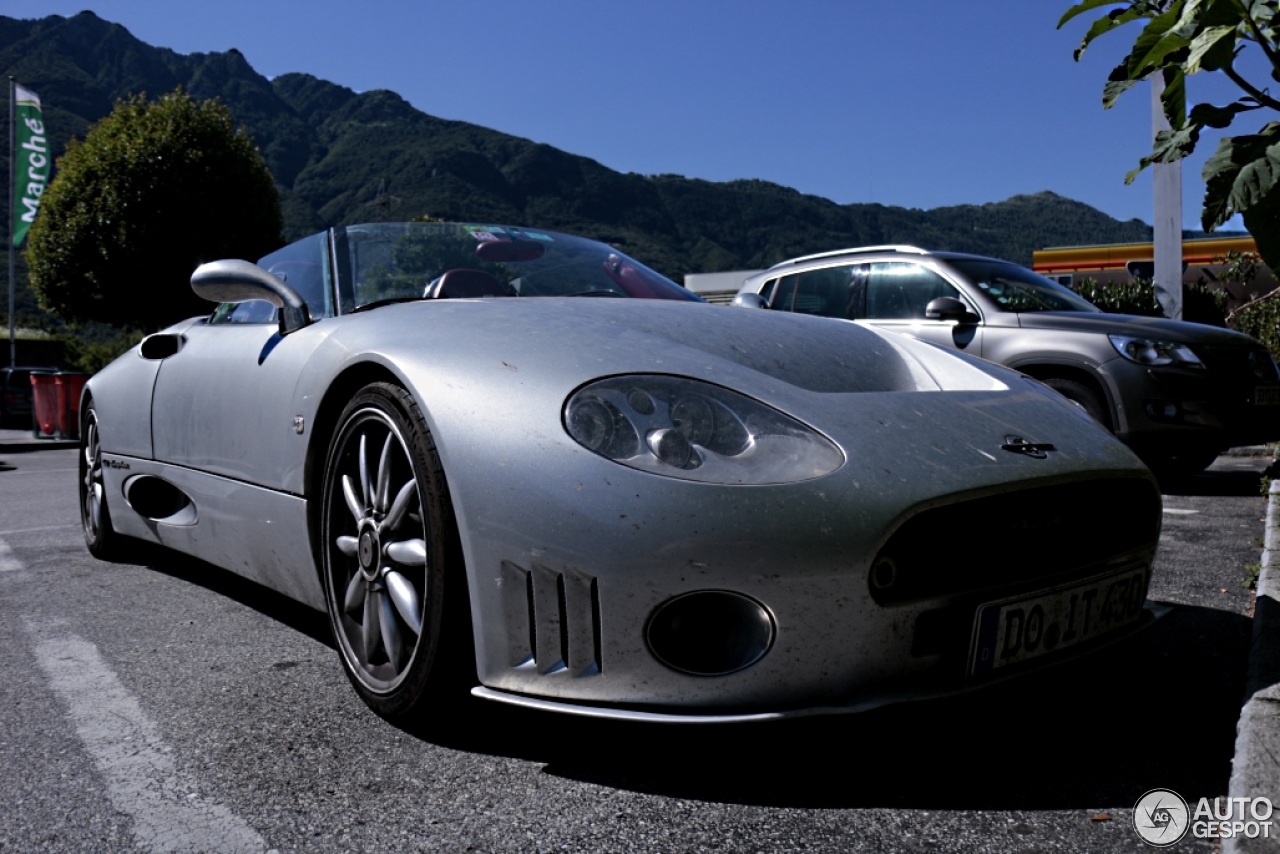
[[1009, 287], [391, 262]]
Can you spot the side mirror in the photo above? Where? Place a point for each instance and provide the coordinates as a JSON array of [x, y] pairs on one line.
[[949, 308], [749, 300], [240, 281]]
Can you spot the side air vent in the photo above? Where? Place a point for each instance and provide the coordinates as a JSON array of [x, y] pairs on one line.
[[553, 619], [159, 500], [162, 345]]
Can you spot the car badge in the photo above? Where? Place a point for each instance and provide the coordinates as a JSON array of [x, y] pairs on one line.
[[1019, 445]]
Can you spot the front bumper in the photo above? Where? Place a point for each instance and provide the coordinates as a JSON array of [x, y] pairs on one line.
[[1220, 406], [563, 617], [863, 702]]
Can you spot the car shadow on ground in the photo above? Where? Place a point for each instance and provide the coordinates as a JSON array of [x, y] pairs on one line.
[[310, 622], [1157, 710]]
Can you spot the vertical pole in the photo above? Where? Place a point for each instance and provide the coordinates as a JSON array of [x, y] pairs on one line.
[[1167, 215], [13, 340]]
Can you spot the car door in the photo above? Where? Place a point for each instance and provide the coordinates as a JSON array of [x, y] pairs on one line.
[[897, 293], [224, 402]]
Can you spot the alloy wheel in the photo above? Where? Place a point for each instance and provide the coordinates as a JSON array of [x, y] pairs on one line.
[[376, 541]]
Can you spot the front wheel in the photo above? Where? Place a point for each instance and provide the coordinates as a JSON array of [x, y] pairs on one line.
[[386, 534], [1083, 396], [95, 519]]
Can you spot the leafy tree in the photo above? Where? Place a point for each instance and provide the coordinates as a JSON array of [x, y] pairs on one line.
[[1184, 37], [153, 190]]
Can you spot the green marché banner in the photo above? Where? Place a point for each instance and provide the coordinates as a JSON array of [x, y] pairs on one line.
[[31, 163]]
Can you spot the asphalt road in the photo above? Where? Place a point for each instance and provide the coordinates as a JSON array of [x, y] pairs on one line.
[[174, 707]]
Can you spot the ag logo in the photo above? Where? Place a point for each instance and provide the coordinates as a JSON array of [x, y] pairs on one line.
[[1160, 817]]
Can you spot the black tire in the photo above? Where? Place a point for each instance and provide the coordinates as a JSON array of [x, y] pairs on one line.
[[104, 542], [1084, 396], [390, 559]]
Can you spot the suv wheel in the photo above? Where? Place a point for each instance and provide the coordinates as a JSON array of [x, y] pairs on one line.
[[1087, 398]]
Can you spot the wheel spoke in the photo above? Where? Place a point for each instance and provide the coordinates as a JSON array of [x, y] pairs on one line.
[[348, 545], [390, 631], [371, 631], [95, 507], [91, 445], [382, 496], [408, 552], [396, 513], [364, 471], [405, 598], [355, 593], [353, 503]]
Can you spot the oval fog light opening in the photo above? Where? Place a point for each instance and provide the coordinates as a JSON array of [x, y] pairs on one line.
[[710, 632]]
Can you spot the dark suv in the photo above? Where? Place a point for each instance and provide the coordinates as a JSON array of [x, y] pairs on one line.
[[1177, 393]]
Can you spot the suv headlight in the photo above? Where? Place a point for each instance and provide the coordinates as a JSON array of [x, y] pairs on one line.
[[693, 430], [1148, 351], [1263, 366]]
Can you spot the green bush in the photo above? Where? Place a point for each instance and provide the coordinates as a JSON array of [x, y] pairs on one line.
[[152, 191], [91, 354], [1261, 319], [1200, 304]]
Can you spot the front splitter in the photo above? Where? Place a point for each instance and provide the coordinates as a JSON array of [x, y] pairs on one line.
[[1154, 612]]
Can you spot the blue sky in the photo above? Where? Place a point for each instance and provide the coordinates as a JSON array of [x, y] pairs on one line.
[[919, 104]]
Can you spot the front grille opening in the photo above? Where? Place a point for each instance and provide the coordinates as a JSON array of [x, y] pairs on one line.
[[1025, 535]]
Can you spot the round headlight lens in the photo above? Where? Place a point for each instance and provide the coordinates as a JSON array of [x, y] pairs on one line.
[[597, 425], [693, 430]]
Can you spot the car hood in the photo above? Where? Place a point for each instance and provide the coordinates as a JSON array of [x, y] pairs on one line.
[[580, 339], [1162, 328]]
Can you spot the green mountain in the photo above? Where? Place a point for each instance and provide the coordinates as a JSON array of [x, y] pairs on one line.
[[342, 157]]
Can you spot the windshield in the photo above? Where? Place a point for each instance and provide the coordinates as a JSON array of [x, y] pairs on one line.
[[1009, 287], [389, 262]]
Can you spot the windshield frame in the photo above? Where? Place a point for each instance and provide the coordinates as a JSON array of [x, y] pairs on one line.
[[606, 270], [969, 271]]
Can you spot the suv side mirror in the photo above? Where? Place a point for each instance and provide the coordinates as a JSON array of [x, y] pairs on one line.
[[949, 308], [239, 281], [749, 300]]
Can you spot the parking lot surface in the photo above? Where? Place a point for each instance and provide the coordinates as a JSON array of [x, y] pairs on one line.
[[171, 706]]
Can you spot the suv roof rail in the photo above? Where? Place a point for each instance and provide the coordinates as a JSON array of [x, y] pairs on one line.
[[856, 250]]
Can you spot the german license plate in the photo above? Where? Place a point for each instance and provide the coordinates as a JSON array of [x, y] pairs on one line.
[[1012, 631], [1266, 395]]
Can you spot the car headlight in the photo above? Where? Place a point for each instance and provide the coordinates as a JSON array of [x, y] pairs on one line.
[[1147, 351], [693, 430], [1263, 366]]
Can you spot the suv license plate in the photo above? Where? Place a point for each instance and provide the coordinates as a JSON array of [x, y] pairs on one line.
[[1266, 395], [1012, 631]]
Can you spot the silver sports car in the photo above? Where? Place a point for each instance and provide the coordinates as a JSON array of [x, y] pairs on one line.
[[646, 508]]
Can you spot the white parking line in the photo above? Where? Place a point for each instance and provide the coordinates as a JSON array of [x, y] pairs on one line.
[[8, 561], [33, 530], [168, 813]]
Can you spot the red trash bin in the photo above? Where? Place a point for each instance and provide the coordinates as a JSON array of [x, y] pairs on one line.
[[44, 408], [69, 385]]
